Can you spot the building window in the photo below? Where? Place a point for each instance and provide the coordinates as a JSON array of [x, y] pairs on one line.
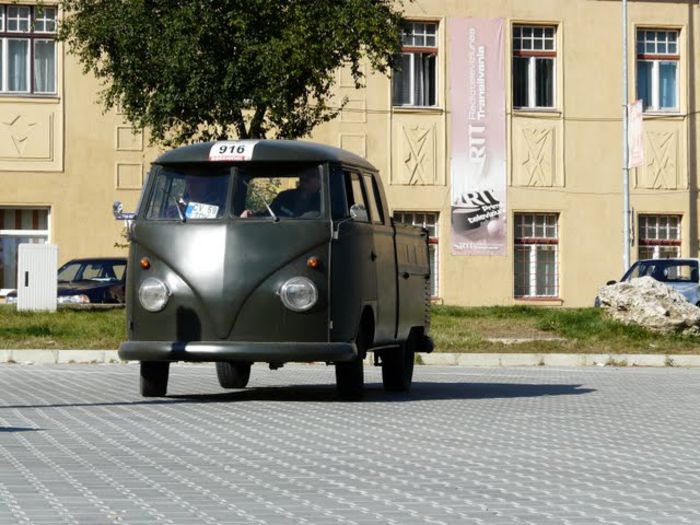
[[429, 221], [536, 255], [27, 49], [17, 226], [534, 66], [659, 236], [657, 69], [415, 80]]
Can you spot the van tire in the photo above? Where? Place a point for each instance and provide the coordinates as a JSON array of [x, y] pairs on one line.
[[154, 378], [233, 375], [350, 375], [397, 366], [350, 379]]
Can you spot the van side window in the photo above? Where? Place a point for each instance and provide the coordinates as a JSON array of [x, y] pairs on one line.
[[355, 191], [339, 199], [375, 202]]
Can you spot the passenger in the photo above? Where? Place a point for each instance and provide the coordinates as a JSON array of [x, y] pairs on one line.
[[305, 198]]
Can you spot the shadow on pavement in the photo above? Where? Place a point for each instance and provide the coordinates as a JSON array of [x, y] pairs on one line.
[[19, 429], [374, 393], [421, 391]]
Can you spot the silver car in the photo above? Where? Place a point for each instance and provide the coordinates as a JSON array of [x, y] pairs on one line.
[[680, 274]]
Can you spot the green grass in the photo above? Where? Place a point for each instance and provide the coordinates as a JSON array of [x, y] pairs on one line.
[[454, 329], [561, 330], [81, 329]]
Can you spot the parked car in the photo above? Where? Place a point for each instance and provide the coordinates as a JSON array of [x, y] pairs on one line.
[[680, 274], [93, 280]]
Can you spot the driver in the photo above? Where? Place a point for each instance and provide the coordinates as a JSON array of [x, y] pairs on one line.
[[202, 198], [203, 190]]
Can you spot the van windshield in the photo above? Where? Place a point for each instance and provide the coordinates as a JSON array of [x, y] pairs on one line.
[[285, 192], [203, 192]]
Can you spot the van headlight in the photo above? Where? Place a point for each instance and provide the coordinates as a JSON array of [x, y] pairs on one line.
[[298, 294], [154, 294]]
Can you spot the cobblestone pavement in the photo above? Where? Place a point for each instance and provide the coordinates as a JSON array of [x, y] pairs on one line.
[[485, 446]]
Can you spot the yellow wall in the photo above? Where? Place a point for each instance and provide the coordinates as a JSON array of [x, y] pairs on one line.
[[77, 160], [583, 181]]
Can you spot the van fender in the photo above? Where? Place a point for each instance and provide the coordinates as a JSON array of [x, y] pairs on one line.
[[364, 336]]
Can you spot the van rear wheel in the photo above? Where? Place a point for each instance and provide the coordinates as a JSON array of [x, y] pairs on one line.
[[233, 375], [154, 378], [397, 367]]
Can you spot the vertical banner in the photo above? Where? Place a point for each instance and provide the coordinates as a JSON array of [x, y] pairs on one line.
[[478, 136], [635, 137]]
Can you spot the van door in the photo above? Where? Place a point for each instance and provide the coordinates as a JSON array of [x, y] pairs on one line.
[[353, 274], [384, 263]]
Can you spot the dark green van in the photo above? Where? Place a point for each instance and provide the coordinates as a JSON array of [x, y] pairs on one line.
[[272, 251]]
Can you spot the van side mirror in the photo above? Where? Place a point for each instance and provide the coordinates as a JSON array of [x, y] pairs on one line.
[[120, 214], [358, 212]]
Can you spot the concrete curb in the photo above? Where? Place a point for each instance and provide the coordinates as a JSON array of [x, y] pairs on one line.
[[496, 360], [54, 357], [441, 359]]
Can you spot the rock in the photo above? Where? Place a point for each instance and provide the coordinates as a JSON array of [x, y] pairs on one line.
[[652, 304]]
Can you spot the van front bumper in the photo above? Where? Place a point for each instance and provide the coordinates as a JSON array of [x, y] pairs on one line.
[[237, 351]]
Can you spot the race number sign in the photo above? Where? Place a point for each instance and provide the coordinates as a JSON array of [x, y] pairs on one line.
[[232, 150]]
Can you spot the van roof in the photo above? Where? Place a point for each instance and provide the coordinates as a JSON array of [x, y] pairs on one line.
[[266, 151]]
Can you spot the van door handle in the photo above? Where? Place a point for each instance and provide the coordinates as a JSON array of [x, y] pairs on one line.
[[372, 255]]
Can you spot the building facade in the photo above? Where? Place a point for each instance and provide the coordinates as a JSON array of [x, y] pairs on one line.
[[501, 133]]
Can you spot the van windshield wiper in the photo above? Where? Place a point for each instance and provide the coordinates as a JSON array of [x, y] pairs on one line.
[[177, 207], [262, 198]]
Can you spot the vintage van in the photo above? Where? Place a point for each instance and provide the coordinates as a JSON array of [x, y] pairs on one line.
[[272, 251]]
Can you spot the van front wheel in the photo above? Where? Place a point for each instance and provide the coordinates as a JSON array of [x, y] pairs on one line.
[[233, 375], [154, 378], [350, 379]]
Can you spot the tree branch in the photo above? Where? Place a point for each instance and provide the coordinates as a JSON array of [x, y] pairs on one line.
[[239, 123], [256, 123]]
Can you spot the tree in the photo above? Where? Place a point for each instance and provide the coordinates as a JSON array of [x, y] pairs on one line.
[[201, 69]]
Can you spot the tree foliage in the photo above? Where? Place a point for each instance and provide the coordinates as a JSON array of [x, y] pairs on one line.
[[203, 69]]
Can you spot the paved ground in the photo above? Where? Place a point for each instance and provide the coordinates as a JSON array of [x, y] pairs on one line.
[[493, 446]]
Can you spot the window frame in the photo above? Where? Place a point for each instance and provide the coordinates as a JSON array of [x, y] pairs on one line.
[[417, 53], [31, 36], [18, 232], [534, 244], [670, 246], [534, 56], [656, 59]]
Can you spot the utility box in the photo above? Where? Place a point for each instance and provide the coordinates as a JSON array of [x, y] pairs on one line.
[[37, 266]]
